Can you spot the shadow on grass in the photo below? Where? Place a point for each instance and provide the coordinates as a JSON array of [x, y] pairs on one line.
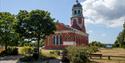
[[31, 59]]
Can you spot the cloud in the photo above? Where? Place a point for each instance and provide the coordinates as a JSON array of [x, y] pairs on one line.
[[107, 12]]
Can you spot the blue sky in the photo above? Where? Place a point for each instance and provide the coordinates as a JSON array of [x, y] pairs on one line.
[[104, 29]]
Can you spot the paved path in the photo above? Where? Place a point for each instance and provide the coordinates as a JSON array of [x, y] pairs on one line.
[[9, 59], [13, 59]]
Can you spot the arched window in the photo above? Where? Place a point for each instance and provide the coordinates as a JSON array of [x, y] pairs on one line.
[[57, 40], [61, 40], [75, 12], [54, 40], [79, 12]]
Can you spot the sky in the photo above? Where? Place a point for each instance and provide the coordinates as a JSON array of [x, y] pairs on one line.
[[103, 18]]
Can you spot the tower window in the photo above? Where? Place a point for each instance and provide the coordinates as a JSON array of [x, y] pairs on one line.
[[79, 12], [75, 12]]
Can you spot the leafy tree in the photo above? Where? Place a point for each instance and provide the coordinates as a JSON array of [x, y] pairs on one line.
[[97, 44], [120, 41], [35, 25], [7, 33]]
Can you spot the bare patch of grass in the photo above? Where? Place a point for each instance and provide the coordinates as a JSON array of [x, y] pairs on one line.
[[111, 52], [1, 49], [50, 53]]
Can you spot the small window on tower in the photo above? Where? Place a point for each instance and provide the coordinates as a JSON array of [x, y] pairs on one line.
[[75, 12], [78, 11]]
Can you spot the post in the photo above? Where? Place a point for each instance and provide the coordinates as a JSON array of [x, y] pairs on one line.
[[109, 58]]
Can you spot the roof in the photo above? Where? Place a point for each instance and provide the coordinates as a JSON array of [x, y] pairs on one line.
[[77, 5], [60, 27]]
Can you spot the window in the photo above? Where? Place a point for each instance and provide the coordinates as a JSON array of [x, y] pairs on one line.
[[60, 39], [75, 12], [79, 12], [54, 40], [57, 40]]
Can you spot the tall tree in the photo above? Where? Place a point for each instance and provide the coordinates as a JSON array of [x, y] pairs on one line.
[[7, 32], [120, 41], [35, 25]]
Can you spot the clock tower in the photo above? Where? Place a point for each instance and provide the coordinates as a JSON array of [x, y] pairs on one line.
[[77, 19]]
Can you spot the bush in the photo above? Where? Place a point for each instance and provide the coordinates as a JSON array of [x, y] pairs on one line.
[[12, 51], [25, 50], [92, 49], [9, 51], [77, 54]]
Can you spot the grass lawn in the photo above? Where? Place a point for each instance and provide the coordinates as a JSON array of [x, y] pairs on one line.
[[112, 52]]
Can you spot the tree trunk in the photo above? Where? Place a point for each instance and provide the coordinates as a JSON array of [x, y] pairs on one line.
[[38, 46], [6, 46]]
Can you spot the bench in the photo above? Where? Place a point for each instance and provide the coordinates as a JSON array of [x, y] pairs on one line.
[[95, 55]]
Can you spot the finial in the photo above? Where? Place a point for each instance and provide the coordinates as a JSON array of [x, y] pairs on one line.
[[77, 1]]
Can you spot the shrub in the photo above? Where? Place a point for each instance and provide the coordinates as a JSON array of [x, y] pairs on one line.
[[12, 51], [25, 50], [92, 49], [9, 51], [77, 54]]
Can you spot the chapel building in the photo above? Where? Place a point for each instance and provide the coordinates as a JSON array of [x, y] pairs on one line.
[[73, 35]]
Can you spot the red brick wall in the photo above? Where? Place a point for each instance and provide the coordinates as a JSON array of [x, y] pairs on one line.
[[80, 40]]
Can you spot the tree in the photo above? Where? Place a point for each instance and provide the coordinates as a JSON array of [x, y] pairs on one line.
[[7, 32], [97, 44], [35, 25], [120, 41]]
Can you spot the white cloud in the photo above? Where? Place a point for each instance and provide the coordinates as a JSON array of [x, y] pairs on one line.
[[107, 12]]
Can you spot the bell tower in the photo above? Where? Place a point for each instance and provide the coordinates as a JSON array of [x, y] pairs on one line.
[[77, 19]]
